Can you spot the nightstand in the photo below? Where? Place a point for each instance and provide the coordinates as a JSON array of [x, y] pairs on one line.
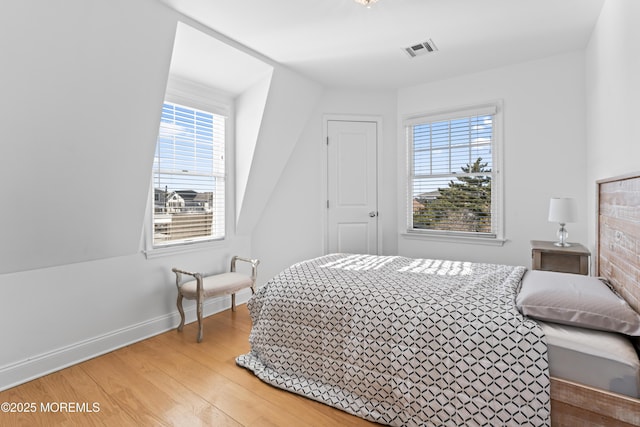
[[549, 257]]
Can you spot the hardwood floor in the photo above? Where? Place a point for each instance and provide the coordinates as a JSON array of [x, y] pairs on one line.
[[169, 380]]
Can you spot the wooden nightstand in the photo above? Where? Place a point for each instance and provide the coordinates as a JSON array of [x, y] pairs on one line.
[[549, 257]]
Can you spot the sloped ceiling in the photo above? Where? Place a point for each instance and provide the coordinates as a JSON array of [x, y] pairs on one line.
[[290, 101], [272, 104], [214, 62], [340, 43], [81, 115]]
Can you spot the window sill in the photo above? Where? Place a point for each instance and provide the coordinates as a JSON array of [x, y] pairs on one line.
[[488, 241], [182, 248]]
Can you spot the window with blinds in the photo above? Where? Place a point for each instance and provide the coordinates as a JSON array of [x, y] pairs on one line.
[[452, 173], [189, 176]]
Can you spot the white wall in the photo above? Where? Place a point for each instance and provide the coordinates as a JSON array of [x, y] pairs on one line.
[[613, 99], [76, 283], [78, 306], [79, 130], [291, 226], [544, 150], [291, 99], [250, 107]]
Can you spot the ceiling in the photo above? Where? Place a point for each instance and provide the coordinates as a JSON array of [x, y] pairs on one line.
[[190, 61], [340, 43]]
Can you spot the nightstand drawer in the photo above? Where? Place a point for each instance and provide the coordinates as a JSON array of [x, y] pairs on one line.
[[546, 256]]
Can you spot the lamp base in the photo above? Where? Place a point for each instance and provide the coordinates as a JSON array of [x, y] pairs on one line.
[[562, 244], [562, 235]]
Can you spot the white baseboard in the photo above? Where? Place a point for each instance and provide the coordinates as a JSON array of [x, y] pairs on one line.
[[34, 367]]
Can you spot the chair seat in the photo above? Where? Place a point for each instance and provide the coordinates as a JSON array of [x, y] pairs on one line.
[[212, 286], [218, 284]]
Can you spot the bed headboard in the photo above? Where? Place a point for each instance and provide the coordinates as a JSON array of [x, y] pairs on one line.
[[618, 245]]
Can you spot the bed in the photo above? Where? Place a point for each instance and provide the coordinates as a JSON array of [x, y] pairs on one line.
[[404, 341], [618, 261]]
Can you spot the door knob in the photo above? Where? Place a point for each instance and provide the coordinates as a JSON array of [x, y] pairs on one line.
[[373, 214]]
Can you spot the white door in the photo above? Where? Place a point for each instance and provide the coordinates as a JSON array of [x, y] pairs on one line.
[[352, 205]]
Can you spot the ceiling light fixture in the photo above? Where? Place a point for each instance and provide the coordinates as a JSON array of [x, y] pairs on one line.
[[367, 3]]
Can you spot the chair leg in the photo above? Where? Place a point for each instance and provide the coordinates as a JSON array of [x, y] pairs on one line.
[[181, 311], [233, 302], [199, 312]]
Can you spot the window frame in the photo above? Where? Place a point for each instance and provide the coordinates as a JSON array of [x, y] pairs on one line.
[[197, 96], [496, 237]]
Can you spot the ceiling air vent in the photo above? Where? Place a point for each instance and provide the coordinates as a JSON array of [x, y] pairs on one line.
[[421, 48]]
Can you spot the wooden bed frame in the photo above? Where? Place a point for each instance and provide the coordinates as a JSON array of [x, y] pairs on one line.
[[618, 260]]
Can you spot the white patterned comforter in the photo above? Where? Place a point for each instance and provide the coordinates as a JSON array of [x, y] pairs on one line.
[[402, 341]]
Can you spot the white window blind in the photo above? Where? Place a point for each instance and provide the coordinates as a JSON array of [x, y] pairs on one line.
[[189, 176], [452, 173]]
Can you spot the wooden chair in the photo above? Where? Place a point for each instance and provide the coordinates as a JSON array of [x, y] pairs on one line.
[[203, 287]]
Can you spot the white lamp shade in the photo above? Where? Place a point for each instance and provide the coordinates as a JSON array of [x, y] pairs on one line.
[[563, 210]]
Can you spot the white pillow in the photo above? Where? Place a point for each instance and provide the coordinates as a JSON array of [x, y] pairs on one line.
[[576, 300]]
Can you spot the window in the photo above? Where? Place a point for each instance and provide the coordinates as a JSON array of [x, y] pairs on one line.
[[453, 173], [189, 176]]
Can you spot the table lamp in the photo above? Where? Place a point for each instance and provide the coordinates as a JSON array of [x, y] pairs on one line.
[[562, 210]]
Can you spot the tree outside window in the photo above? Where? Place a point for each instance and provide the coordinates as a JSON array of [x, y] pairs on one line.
[[452, 174]]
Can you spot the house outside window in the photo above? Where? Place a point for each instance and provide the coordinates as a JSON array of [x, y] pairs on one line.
[[189, 177], [454, 180]]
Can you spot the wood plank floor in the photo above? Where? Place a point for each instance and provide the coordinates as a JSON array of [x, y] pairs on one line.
[[170, 380]]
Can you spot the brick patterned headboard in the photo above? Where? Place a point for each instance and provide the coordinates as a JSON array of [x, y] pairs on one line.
[[618, 246]]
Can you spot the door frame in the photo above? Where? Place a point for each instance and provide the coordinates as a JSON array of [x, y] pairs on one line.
[[324, 191]]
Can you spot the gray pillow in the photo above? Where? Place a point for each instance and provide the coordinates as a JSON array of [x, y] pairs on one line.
[[576, 300]]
